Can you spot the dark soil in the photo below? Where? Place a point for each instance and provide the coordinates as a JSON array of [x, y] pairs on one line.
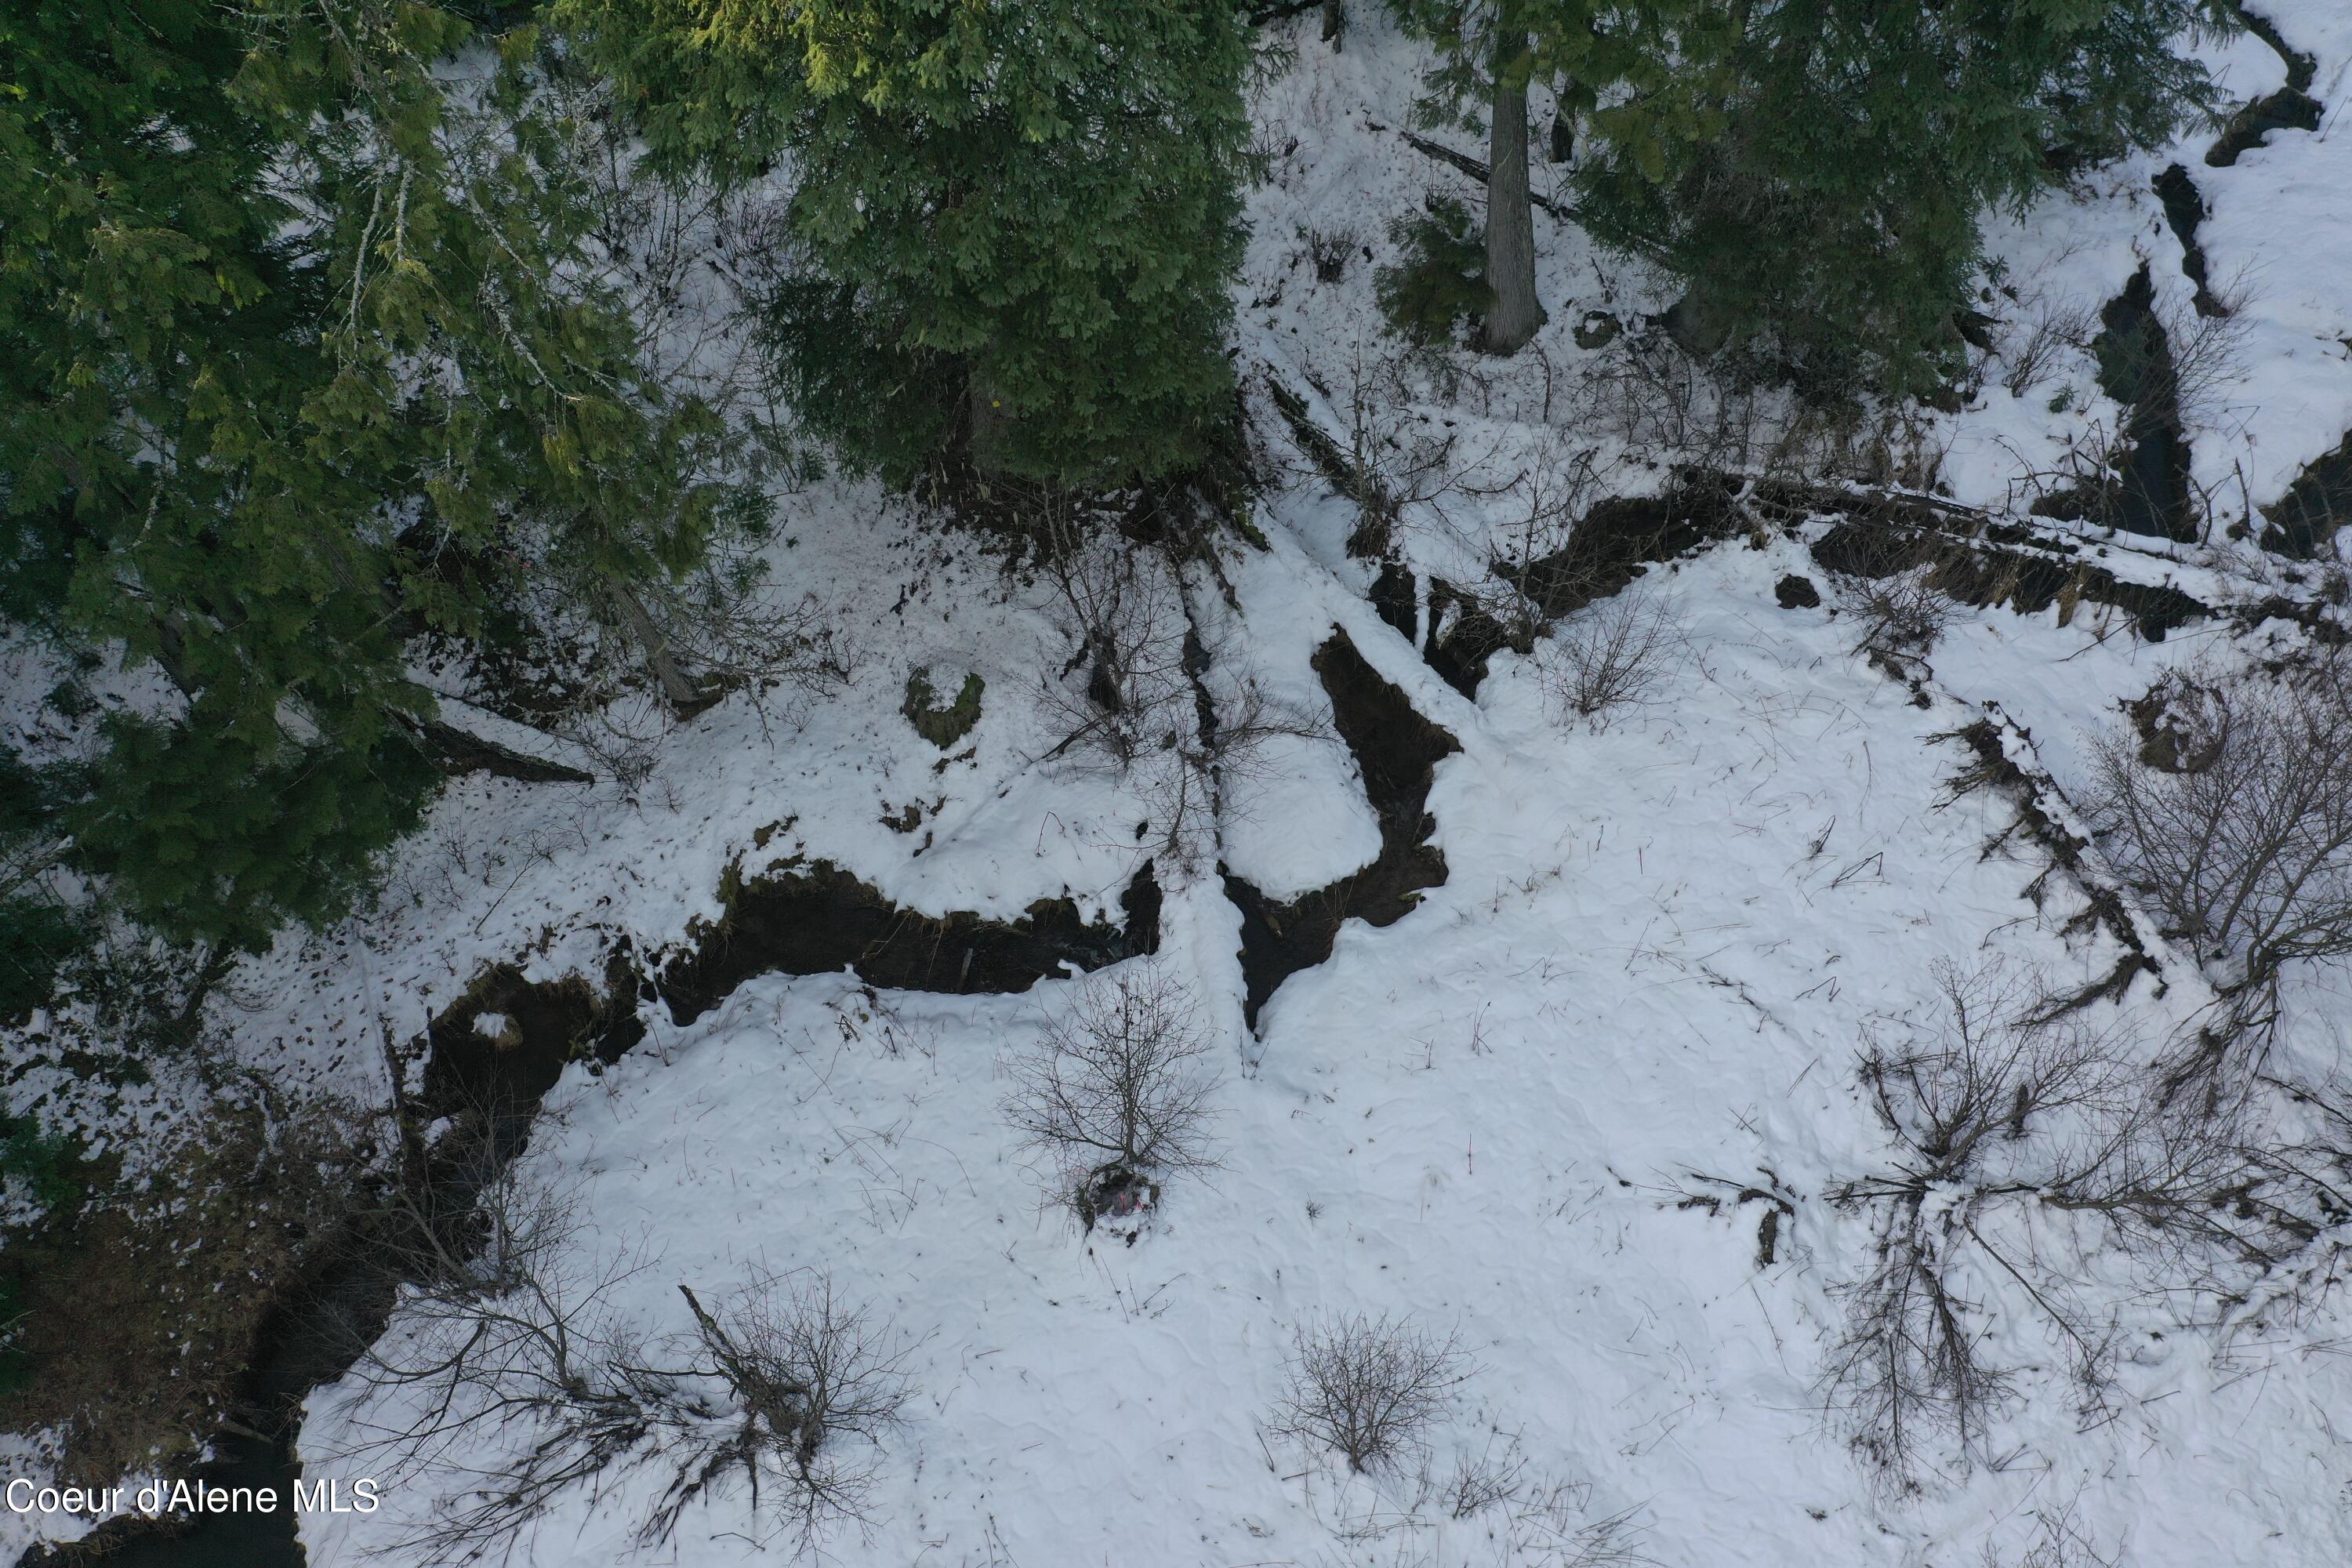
[[1983, 568], [2313, 508], [1396, 750], [2184, 209], [819, 920]]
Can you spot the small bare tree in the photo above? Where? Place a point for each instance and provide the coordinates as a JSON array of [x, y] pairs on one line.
[[813, 1384], [1124, 692], [1614, 653], [1898, 619], [1368, 1389], [2025, 1136], [500, 1330], [510, 1379], [1963, 1097], [1659, 402], [2233, 817], [1535, 569], [1118, 1093]]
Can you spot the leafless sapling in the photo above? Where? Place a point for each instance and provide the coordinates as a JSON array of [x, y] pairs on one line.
[[813, 1386], [1118, 1093], [2233, 814], [1614, 653], [1368, 1389], [2024, 1136]]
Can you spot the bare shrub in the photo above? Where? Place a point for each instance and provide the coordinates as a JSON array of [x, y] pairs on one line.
[[1656, 399], [2057, 1542], [2052, 331], [1614, 653], [509, 1378], [1898, 619], [815, 1384], [1389, 459], [1484, 1481], [1960, 1097], [1124, 692], [1538, 570], [1139, 691], [2234, 818], [1117, 1094], [1330, 251], [1368, 1389], [2025, 1134], [501, 1330], [2207, 357]]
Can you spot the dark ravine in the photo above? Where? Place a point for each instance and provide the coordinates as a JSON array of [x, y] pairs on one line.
[[2151, 496], [2184, 209], [1609, 547], [2307, 518], [1396, 751], [2150, 493], [2291, 107], [314, 1331], [819, 920]]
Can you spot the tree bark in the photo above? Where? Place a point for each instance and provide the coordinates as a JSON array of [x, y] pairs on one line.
[[1510, 217], [682, 693], [984, 424]]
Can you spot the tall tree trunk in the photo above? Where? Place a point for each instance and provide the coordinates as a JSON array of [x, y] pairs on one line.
[[984, 424], [1510, 216], [1334, 22], [681, 692]]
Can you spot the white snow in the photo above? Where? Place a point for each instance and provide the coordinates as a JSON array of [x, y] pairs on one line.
[[1659, 948]]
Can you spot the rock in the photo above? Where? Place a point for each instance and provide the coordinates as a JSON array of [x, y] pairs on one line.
[[1597, 329], [1693, 327]]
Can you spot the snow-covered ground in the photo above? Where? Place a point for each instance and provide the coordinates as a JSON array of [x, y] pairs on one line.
[[1661, 945], [1653, 960]]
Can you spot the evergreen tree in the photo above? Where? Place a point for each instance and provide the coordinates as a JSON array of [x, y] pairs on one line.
[[1014, 225], [1816, 170], [286, 318], [1490, 52]]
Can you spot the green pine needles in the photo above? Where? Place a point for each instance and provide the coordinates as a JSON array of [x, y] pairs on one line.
[[293, 311], [1814, 172], [1014, 225], [1817, 171]]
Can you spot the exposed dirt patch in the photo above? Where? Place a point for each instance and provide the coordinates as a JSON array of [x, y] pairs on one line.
[[1397, 751], [818, 918], [1608, 549], [1989, 566], [2313, 508]]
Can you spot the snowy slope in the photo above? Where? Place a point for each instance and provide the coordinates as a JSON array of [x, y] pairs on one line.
[[1659, 949], [1653, 962]]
